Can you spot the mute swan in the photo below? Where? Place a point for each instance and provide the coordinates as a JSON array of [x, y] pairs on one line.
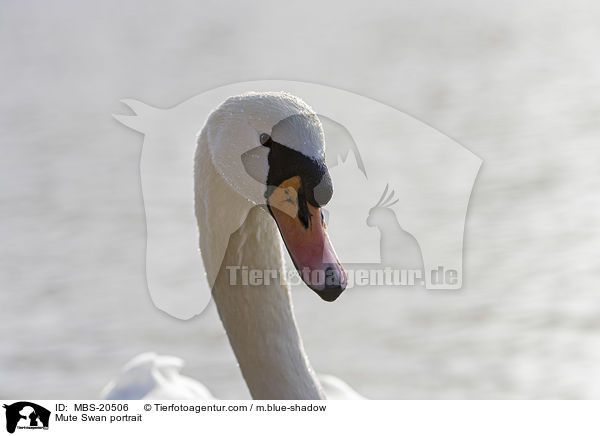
[[260, 177], [254, 149], [149, 376]]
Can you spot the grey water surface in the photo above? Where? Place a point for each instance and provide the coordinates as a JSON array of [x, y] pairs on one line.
[[517, 83]]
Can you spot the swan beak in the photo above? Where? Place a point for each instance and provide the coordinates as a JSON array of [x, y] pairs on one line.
[[303, 230]]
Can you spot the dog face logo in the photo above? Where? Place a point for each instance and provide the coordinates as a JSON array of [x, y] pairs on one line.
[[26, 415]]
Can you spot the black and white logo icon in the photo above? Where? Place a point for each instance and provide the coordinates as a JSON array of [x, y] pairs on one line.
[[26, 415]]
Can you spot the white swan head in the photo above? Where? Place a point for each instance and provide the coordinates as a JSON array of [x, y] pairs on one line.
[[270, 148]]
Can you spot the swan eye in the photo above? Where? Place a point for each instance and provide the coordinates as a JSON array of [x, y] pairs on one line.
[[264, 138]]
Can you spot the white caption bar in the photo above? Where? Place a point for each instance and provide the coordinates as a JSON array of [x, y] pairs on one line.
[[301, 417]]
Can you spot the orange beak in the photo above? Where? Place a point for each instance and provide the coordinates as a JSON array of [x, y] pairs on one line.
[[303, 230]]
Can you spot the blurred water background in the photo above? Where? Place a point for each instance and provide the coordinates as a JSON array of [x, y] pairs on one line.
[[518, 83]]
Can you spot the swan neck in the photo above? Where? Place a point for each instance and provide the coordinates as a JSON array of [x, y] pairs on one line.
[[259, 320]]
